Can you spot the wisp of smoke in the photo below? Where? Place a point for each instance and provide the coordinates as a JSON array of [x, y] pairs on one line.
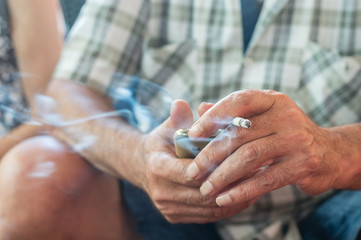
[[142, 103]]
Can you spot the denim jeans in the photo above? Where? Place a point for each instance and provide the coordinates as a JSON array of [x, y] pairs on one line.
[[338, 218], [153, 226]]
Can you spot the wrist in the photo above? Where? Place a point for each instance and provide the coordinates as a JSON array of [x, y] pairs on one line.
[[347, 151], [141, 161], [133, 164]]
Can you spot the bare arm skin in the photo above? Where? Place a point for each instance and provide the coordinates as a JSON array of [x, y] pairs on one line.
[[37, 34], [283, 139], [146, 160]]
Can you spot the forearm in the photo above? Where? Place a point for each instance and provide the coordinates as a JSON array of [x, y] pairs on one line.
[[16, 136], [117, 149], [110, 144], [37, 34]]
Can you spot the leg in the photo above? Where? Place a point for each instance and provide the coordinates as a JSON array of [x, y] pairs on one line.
[[339, 217], [48, 192], [153, 226]]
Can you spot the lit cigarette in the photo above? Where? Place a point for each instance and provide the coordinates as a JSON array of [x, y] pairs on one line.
[[241, 122]]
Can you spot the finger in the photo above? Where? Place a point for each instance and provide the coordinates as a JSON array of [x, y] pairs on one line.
[[253, 155], [165, 165], [204, 107], [174, 192], [275, 121], [246, 103], [229, 141], [272, 178], [181, 116], [191, 196], [183, 213]]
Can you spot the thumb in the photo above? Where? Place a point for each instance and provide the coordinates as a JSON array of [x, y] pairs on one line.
[[181, 116]]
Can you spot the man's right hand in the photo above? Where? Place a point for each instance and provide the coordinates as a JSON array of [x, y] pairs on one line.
[[175, 196], [146, 160]]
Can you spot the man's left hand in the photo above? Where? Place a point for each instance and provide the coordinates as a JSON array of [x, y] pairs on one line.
[[282, 147]]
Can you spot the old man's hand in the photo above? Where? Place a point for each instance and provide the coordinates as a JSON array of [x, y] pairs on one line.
[[282, 147]]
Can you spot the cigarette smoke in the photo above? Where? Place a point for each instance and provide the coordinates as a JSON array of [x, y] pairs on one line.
[[142, 103]]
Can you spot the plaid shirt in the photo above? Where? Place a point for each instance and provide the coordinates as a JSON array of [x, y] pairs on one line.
[[308, 49]]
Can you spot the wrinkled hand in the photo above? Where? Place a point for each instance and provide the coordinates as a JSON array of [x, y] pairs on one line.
[[282, 147], [175, 196]]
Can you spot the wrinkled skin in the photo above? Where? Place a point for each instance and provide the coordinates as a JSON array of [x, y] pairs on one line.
[[177, 197], [147, 160], [282, 141]]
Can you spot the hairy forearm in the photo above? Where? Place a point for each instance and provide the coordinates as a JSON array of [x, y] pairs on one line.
[[110, 144]]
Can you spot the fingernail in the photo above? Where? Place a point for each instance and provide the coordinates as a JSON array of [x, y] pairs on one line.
[[206, 188], [224, 200], [192, 170]]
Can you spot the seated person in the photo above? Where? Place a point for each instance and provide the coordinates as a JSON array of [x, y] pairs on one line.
[[31, 40], [33, 181], [254, 183]]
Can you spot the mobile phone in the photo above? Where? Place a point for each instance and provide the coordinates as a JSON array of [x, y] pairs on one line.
[[189, 148]]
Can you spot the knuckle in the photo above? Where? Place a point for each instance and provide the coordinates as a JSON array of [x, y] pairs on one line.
[[294, 116], [234, 96], [242, 193], [299, 138], [218, 213], [156, 167], [206, 159], [311, 164], [191, 182], [242, 97], [246, 193], [289, 175], [152, 167], [221, 213], [309, 151], [251, 152], [218, 178], [217, 115], [210, 201], [305, 183], [267, 181], [305, 138], [158, 196]]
